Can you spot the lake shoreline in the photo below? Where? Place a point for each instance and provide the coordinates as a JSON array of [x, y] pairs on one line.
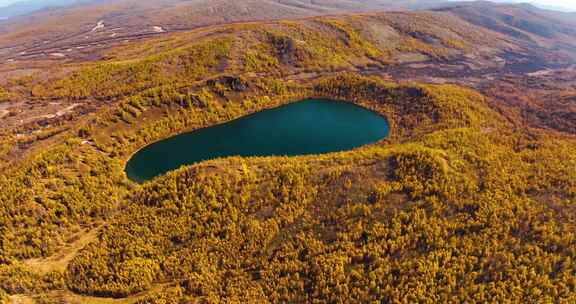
[[374, 117]]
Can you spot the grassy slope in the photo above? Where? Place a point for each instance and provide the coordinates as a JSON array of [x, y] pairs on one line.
[[456, 204], [130, 16], [527, 24], [275, 48]]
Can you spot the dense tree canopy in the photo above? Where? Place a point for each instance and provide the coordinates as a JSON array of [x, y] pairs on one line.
[[458, 204]]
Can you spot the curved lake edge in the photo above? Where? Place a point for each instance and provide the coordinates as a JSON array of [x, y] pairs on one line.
[[277, 106], [248, 114]]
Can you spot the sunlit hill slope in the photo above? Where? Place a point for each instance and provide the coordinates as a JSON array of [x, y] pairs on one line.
[[464, 202]]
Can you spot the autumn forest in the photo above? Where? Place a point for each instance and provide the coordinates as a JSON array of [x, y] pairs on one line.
[[463, 202]]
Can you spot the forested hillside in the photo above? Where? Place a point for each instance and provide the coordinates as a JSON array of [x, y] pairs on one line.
[[463, 202], [87, 22]]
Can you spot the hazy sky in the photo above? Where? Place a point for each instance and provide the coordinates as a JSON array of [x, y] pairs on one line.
[[571, 4], [6, 2]]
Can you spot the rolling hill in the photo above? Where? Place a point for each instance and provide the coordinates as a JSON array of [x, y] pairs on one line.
[[523, 22], [123, 19], [82, 31]]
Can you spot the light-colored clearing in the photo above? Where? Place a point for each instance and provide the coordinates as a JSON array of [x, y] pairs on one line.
[[59, 261], [99, 26], [68, 297]]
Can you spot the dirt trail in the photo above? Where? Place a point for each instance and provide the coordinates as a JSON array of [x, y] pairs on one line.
[[59, 261], [68, 297], [21, 299]]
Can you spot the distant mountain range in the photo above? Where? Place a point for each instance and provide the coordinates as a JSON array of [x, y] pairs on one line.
[[26, 7], [87, 22], [539, 5], [31, 6]]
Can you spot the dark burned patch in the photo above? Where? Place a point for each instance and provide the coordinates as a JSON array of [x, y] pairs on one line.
[[522, 64], [426, 38], [236, 84], [286, 50], [564, 121]]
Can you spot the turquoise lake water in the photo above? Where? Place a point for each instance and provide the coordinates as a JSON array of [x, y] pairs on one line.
[[311, 126]]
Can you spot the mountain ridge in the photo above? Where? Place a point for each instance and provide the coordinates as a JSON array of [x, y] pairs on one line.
[[33, 6], [471, 198]]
